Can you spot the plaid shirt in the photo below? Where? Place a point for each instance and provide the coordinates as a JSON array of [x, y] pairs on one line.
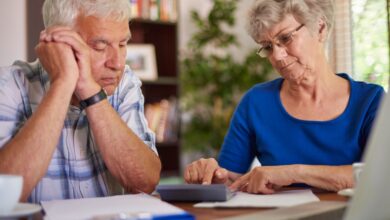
[[77, 169]]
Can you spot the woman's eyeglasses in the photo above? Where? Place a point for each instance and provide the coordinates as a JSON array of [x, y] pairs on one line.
[[282, 41]]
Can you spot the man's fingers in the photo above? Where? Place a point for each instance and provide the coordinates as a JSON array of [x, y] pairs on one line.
[[47, 34], [54, 29], [67, 36], [75, 43], [42, 36]]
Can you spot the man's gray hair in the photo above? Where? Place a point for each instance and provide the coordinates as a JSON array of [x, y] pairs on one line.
[[65, 12], [264, 14]]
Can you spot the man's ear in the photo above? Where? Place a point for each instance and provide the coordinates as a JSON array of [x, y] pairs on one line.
[[322, 30]]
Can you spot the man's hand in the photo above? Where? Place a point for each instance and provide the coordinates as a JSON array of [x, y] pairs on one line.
[[59, 61], [205, 171], [264, 179], [86, 84]]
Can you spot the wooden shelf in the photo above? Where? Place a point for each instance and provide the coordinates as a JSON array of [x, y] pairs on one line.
[[163, 35], [162, 81], [167, 144], [152, 22]]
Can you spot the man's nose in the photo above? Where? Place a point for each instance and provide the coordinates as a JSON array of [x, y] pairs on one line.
[[116, 59]]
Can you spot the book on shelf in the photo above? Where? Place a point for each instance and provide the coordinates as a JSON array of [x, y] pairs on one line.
[[160, 10], [163, 120]]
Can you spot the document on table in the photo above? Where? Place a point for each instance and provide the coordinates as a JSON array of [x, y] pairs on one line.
[[279, 199], [135, 206]]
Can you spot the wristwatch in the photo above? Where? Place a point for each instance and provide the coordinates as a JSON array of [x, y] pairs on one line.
[[101, 95]]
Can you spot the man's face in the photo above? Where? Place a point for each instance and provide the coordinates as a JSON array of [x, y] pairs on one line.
[[107, 40]]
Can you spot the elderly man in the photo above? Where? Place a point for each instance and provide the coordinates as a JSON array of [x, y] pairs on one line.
[[72, 123]]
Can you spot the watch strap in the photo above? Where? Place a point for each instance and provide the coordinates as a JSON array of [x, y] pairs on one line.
[[101, 95]]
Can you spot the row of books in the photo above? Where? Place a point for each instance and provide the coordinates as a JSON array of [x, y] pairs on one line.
[[162, 10], [163, 120]]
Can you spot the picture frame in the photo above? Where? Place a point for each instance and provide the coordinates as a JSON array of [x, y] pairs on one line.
[[142, 61]]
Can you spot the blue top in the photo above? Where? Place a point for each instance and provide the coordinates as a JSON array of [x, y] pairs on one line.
[[261, 127]]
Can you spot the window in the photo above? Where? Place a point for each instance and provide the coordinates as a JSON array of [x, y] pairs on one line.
[[370, 37]]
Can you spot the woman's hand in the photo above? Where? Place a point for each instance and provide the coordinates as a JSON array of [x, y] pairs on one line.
[[205, 171], [265, 179]]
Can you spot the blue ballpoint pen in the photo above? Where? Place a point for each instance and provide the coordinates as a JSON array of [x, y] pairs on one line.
[[144, 216]]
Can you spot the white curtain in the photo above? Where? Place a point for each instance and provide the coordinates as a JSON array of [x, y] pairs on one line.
[[340, 42]]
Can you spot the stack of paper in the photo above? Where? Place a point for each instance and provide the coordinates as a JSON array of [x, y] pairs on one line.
[[138, 206]]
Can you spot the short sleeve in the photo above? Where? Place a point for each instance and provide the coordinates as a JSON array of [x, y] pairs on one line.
[[12, 99], [373, 102], [237, 152], [130, 107]]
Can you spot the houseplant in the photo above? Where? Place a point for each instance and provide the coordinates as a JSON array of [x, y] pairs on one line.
[[212, 81]]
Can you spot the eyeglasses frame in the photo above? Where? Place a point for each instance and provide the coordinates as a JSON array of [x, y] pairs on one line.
[[289, 35]]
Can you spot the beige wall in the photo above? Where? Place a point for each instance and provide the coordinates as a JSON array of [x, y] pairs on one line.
[[13, 31]]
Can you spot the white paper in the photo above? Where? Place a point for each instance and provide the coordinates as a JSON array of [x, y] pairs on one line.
[[279, 199], [90, 208]]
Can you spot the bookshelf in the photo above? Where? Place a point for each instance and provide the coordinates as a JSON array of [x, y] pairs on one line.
[[162, 33], [34, 26]]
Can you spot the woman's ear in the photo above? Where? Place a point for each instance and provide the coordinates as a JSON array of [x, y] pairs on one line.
[[322, 30]]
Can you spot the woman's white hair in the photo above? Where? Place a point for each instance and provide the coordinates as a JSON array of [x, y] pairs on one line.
[[266, 13], [65, 12]]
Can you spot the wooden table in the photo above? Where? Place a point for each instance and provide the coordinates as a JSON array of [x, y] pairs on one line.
[[215, 213]]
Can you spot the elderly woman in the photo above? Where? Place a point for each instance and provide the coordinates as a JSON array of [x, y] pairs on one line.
[[306, 127]]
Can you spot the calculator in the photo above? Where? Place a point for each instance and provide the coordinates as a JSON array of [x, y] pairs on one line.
[[194, 192]]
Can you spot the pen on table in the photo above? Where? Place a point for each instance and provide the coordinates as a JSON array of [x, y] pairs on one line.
[[144, 216]]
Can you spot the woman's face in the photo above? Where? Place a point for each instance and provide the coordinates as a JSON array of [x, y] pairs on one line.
[[292, 49]]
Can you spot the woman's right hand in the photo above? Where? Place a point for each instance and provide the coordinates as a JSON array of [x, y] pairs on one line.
[[205, 171]]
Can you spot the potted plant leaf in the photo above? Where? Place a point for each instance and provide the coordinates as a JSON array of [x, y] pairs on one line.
[[212, 81]]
